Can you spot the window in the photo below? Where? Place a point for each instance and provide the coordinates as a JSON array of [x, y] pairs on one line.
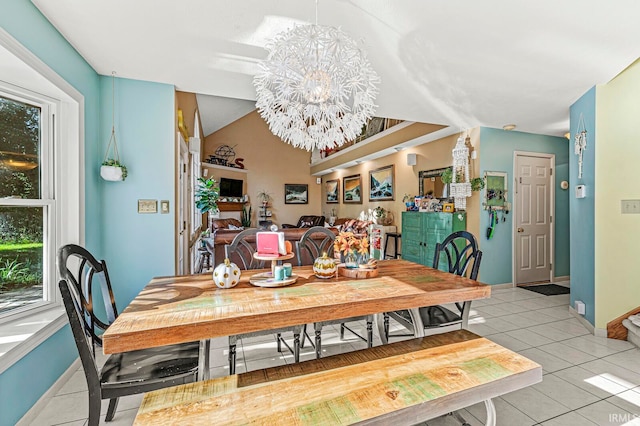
[[27, 202]]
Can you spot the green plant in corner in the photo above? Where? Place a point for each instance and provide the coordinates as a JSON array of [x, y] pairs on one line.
[[245, 218], [207, 195]]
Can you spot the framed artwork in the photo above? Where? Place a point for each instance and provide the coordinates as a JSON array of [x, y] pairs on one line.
[[495, 191], [381, 184], [296, 193], [352, 189], [333, 191]]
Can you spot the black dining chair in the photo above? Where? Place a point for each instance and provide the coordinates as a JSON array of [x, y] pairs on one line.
[[457, 254], [313, 243], [122, 374], [240, 251]]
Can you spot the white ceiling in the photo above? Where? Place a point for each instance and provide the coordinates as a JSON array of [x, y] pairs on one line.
[[458, 62]]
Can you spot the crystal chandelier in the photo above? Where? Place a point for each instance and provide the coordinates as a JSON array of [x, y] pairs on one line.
[[316, 89]]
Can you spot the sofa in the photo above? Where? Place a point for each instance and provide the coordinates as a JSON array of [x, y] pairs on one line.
[[306, 222], [222, 235]]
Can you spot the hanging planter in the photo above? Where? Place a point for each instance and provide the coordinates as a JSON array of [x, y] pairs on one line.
[[112, 169]]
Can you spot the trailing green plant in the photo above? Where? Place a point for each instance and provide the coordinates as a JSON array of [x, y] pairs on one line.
[[115, 163], [245, 217], [477, 184], [207, 195], [447, 176]]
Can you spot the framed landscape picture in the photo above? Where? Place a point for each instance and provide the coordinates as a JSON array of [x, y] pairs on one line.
[[352, 189], [296, 193], [333, 191], [381, 184]]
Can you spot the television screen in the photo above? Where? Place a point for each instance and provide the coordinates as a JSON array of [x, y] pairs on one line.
[[230, 187]]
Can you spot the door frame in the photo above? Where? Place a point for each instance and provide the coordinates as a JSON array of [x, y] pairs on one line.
[[552, 211]]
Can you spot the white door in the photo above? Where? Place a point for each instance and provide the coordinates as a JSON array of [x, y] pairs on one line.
[[533, 237], [183, 209]]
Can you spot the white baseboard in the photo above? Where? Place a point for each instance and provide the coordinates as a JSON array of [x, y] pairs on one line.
[[600, 332], [565, 278], [37, 408], [584, 322]]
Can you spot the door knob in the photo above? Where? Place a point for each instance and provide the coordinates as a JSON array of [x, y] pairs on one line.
[[520, 229]]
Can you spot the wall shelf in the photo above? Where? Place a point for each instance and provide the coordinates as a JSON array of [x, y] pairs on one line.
[[226, 206], [217, 166]]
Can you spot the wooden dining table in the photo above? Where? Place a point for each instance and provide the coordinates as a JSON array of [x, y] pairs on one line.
[[179, 309]]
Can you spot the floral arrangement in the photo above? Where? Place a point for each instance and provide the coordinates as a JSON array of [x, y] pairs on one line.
[[347, 242]]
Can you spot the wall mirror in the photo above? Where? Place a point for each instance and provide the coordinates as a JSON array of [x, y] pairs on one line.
[[430, 183]]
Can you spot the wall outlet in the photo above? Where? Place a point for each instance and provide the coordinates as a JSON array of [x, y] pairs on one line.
[[630, 206], [580, 307]]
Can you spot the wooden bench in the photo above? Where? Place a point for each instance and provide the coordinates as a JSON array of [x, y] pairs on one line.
[[401, 383]]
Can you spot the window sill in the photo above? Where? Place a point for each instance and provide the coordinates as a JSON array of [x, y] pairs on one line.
[[19, 337]]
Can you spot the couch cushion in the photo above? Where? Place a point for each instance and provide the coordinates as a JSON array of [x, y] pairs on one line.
[[217, 224]]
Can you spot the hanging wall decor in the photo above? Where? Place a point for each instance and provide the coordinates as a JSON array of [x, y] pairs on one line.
[[112, 169], [580, 143], [460, 184]]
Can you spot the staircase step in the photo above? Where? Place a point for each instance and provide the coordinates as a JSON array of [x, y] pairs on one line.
[[633, 332]]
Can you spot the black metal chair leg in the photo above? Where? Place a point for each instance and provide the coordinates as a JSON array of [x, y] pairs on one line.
[[369, 334], [296, 347], [94, 409], [318, 343], [386, 326], [342, 326], [232, 359], [279, 340], [111, 411]]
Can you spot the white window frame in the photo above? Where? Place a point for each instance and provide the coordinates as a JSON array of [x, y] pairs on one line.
[[47, 198], [66, 224]]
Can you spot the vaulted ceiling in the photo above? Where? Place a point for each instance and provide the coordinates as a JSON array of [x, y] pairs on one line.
[[461, 63]]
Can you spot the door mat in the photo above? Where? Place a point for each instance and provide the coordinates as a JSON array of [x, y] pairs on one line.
[[548, 289]]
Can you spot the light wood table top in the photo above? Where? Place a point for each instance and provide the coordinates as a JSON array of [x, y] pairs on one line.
[[172, 310]]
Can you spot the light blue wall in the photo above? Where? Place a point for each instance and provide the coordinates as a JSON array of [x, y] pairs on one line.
[[25, 382], [137, 246], [583, 210], [496, 154], [22, 384]]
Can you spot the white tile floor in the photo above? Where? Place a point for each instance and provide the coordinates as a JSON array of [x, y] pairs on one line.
[[587, 380]]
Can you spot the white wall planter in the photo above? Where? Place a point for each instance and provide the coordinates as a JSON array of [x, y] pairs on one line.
[[111, 173]]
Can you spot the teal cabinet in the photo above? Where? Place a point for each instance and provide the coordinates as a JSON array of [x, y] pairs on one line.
[[421, 231]]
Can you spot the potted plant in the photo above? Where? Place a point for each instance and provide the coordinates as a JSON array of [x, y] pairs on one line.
[[265, 197], [477, 184], [113, 170], [245, 217], [207, 195], [408, 201]]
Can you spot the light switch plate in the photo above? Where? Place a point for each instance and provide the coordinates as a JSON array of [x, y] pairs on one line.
[[147, 206], [164, 206], [630, 206]]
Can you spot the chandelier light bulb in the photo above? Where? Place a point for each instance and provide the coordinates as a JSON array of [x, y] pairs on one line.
[[316, 88]]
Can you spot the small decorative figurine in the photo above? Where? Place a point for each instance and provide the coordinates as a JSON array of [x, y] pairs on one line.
[[325, 267], [226, 274]]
